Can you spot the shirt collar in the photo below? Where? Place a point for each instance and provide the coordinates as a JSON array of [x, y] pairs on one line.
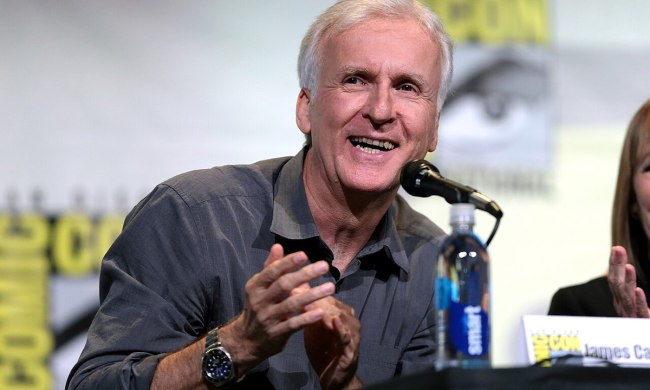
[[291, 215], [386, 238], [292, 218]]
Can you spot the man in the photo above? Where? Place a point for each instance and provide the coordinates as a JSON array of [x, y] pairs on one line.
[[304, 272]]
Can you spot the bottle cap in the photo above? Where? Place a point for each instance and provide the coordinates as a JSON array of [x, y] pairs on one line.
[[461, 214]]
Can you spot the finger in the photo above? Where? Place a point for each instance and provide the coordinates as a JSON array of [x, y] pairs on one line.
[[617, 261], [276, 303], [642, 310], [344, 307], [344, 336], [296, 322], [287, 282], [348, 343], [300, 289], [616, 278], [351, 322], [624, 293], [257, 294], [276, 253], [348, 326], [301, 301], [294, 305], [278, 267], [334, 306], [629, 297]]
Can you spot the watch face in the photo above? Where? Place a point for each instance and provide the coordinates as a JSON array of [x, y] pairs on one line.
[[217, 366]]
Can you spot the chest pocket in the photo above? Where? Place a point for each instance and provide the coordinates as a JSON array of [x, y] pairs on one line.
[[377, 363], [390, 309]]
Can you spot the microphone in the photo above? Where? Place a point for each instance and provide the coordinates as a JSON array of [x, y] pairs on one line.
[[423, 179]]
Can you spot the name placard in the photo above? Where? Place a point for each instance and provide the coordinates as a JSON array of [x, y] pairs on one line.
[[587, 341]]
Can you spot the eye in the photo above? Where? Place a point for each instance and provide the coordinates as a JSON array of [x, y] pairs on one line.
[[407, 88], [353, 80], [644, 165]]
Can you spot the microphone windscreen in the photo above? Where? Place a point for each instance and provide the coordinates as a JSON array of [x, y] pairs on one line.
[[412, 175]]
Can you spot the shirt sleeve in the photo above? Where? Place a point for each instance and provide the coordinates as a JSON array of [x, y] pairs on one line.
[[593, 298], [152, 296], [563, 303]]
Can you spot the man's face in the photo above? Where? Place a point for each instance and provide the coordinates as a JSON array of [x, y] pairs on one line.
[[375, 107]]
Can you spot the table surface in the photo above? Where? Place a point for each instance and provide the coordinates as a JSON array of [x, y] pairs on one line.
[[527, 378]]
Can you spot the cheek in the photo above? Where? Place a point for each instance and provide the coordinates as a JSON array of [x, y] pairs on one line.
[[642, 191], [423, 132], [421, 117], [335, 111]]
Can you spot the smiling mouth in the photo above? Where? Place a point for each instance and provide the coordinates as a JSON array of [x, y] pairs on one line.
[[371, 145]]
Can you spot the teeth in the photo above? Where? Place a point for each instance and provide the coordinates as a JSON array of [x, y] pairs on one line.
[[363, 144], [368, 150]]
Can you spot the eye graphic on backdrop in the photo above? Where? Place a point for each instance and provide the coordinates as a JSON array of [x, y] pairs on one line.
[[498, 103]]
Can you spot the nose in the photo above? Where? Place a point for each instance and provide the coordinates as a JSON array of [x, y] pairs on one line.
[[380, 108]]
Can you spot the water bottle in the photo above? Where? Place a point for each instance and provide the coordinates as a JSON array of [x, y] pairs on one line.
[[462, 295]]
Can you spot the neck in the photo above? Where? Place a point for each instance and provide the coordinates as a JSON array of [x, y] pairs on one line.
[[345, 219]]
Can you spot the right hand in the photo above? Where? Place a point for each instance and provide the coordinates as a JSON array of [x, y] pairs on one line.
[[332, 345], [629, 300], [276, 306]]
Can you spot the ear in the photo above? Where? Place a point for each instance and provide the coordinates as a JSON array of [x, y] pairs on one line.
[[302, 112], [434, 140]]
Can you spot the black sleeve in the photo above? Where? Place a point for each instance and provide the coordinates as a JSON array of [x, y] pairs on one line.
[[563, 303], [592, 299]]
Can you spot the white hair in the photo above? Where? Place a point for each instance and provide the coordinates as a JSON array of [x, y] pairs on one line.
[[347, 13]]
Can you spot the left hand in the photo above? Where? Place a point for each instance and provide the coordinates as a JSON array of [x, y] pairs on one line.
[[332, 345], [629, 300]]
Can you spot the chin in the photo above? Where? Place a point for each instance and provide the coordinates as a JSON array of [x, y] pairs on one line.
[[373, 185]]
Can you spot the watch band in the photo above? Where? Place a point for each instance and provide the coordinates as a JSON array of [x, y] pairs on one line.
[[212, 339], [217, 364]]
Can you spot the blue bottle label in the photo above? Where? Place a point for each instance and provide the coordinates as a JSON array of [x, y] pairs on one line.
[[468, 329], [443, 293]]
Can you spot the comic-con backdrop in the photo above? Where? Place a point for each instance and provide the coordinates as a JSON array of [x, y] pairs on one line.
[[101, 101]]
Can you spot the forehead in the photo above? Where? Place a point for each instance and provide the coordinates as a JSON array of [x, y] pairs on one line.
[[397, 42], [642, 145], [642, 152], [377, 23]]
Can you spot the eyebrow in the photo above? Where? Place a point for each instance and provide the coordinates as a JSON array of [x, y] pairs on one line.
[[347, 70], [351, 70]]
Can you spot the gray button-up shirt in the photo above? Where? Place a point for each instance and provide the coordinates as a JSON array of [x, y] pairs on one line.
[[179, 267]]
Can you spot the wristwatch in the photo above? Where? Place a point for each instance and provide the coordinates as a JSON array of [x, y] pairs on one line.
[[218, 367]]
